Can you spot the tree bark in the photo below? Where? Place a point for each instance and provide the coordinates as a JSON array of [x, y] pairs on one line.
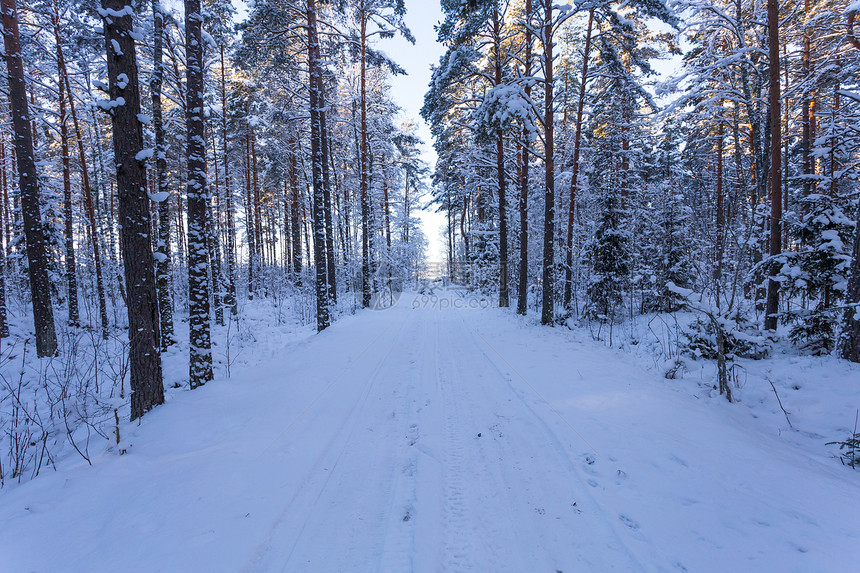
[[230, 297], [256, 217], [317, 159], [37, 252], [522, 290], [295, 208], [162, 265], [213, 245], [68, 212], [850, 342], [807, 135], [249, 216], [721, 220], [200, 359], [548, 302], [774, 176], [4, 240], [504, 297], [331, 277], [147, 389], [365, 198]]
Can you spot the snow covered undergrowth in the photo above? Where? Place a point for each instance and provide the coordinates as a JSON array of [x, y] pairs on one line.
[[63, 409], [808, 401], [433, 437]]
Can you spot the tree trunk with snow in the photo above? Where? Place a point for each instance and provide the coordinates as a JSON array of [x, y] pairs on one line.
[[295, 208], [317, 159], [548, 302], [200, 361], [365, 167], [522, 291], [230, 246], [329, 230], [37, 253], [147, 389], [68, 211], [504, 298], [850, 342], [774, 177], [162, 265]]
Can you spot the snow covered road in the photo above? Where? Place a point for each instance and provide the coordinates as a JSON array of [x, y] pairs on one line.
[[428, 439]]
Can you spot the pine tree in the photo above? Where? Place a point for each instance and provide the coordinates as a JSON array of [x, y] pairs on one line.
[[317, 105], [162, 256], [608, 253], [37, 256], [200, 362], [147, 389], [775, 173]]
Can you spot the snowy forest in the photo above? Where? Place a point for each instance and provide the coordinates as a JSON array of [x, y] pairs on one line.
[[162, 165], [580, 184], [183, 188]]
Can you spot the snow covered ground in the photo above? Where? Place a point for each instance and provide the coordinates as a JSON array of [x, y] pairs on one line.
[[442, 436]]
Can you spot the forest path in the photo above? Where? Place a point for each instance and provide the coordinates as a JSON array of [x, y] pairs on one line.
[[434, 436]]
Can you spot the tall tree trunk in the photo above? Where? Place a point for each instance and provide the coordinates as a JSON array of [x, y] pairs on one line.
[[213, 245], [834, 138], [295, 208], [522, 290], [147, 389], [504, 297], [849, 347], [721, 220], [548, 302], [329, 231], [256, 216], [230, 296], [69, 231], [37, 252], [365, 168], [200, 360], [4, 241], [249, 218], [574, 179], [317, 159], [774, 177], [386, 205], [162, 264], [807, 135]]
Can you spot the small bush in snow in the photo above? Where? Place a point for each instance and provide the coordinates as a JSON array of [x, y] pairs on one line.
[[743, 339]]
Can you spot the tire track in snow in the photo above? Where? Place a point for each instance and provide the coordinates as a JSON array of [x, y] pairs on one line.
[[595, 511], [456, 511], [404, 511], [286, 531]]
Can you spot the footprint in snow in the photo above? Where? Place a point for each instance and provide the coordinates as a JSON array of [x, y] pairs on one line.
[[631, 524], [589, 464]]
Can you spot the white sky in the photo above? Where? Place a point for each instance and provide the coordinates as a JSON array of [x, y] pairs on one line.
[[408, 92]]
